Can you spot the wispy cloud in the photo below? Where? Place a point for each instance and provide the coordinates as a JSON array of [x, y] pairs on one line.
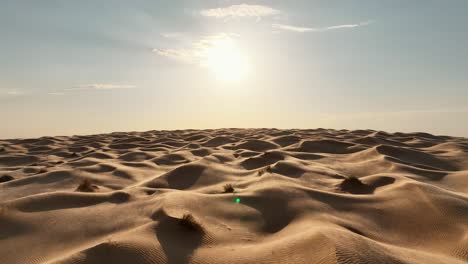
[[242, 10], [56, 93], [171, 35], [292, 28], [181, 54], [197, 51], [298, 29], [100, 86], [14, 93], [7, 92]]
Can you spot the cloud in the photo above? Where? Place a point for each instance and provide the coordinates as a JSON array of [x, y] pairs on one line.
[[56, 93], [6, 92], [100, 86], [181, 54], [171, 35], [292, 28], [197, 51], [14, 93], [242, 10], [323, 29], [350, 25]]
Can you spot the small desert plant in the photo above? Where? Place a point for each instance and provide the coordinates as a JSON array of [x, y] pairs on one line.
[[189, 222], [228, 188], [264, 170], [86, 186]]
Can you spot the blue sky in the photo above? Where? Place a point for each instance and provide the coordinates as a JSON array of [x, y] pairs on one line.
[[80, 67]]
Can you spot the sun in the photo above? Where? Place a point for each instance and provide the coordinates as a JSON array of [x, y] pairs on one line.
[[225, 60]]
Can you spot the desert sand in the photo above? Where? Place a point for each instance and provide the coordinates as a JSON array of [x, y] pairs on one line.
[[235, 196]]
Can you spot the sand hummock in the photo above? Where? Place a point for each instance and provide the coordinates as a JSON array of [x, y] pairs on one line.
[[235, 196]]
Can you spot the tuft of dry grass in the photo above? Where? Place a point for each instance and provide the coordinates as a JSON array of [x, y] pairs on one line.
[[189, 222], [228, 188], [264, 170], [86, 186]]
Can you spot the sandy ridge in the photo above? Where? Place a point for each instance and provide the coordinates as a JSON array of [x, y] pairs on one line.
[[304, 196]]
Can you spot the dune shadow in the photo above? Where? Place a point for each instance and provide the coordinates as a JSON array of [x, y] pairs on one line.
[[354, 230], [183, 177], [355, 186], [48, 178], [286, 140], [66, 200], [306, 156], [253, 145], [17, 160], [415, 158], [265, 159], [274, 211], [200, 152], [464, 147], [218, 141], [170, 159], [12, 227], [328, 146], [177, 242], [288, 169], [6, 178], [382, 181]]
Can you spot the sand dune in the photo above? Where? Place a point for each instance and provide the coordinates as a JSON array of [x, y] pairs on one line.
[[235, 196]]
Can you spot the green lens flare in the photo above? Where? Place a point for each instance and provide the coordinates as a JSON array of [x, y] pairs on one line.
[[237, 200]]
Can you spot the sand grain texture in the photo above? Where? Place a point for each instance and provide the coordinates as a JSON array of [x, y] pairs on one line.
[[305, 196]]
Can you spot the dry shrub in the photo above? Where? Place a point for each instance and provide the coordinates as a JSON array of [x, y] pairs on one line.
[[189, 222], [228, 188], [86, 186], [264, 170]]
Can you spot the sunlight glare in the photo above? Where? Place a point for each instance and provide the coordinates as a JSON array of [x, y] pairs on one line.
[[226, 60]]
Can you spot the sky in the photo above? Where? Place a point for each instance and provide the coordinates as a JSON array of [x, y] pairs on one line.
[[86, 67]]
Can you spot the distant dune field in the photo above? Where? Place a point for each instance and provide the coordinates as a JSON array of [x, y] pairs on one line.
[[235, 196]]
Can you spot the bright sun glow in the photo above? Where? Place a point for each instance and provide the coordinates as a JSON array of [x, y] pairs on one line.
[[226, 60]]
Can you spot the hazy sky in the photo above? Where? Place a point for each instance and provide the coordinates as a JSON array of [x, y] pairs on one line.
[[80, 67]]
